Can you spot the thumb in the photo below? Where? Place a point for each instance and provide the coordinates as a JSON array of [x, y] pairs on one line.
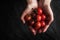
[[22, 18], [25, 12], [46, 27]]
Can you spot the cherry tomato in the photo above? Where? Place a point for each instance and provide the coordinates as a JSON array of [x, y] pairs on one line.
[[43, 17], [43, 24], [28, 17], [37, 25], [38, 18], [39, 11]]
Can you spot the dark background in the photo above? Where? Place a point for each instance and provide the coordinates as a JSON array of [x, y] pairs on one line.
[[15, 30]]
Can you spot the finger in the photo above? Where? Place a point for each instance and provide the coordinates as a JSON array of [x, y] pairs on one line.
[[23, 20], [33, 30], [45, 29], [27, 11], [47, 26]]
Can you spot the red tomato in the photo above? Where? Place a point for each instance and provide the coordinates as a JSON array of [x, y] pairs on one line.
[[39, 11], [43, 17], [28, 17], [43, 24], [37, 25], [38, 18]]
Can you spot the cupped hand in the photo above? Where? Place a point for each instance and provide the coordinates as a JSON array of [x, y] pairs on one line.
[[45, 4], [32, 4]]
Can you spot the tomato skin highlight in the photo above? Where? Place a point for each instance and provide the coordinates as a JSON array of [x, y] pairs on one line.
[[43, 24], [38, 18], [39, 11], [43, 17], [37, 25], [27, 17]]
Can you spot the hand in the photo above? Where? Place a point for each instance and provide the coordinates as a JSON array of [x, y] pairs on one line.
[[32, 4], [45, 4]]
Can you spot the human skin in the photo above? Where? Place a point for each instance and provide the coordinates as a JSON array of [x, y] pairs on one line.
[[32, 4]]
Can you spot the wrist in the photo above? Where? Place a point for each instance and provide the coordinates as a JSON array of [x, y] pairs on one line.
[[46, 5]]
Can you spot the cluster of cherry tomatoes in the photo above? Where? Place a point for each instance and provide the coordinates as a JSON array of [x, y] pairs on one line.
[[36, 19]]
